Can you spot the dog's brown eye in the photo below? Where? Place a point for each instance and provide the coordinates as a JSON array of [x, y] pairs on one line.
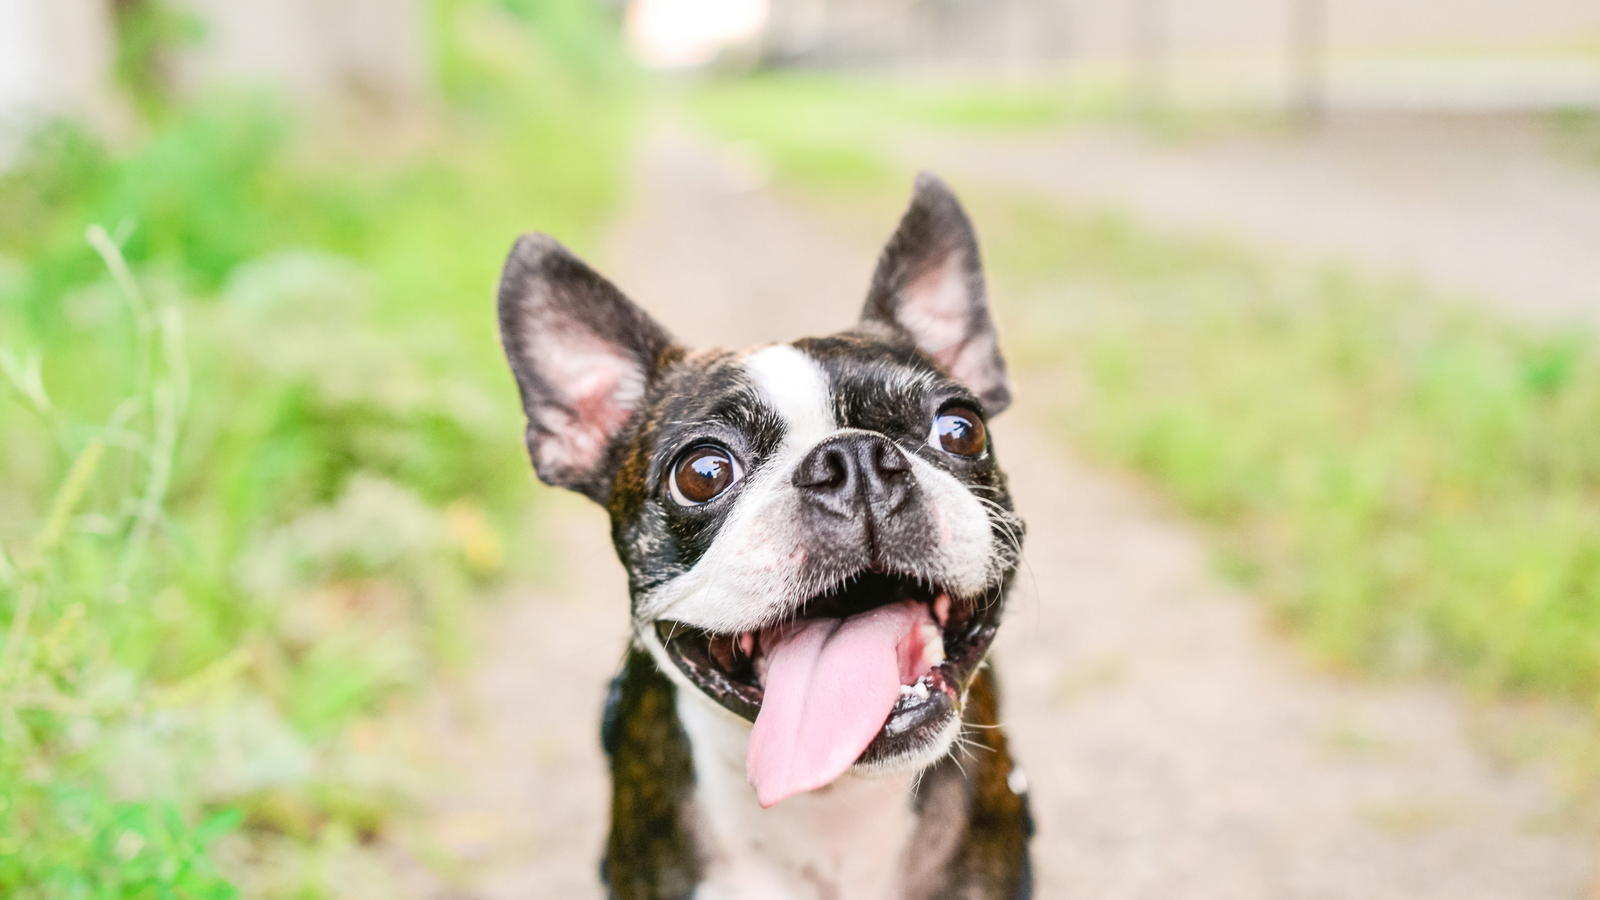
[[703, 473], [959, 431]]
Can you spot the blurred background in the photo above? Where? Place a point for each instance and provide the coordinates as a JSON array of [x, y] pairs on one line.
[[1299, 294]]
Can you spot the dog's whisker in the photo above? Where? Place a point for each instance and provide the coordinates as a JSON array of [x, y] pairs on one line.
[[954, 758]]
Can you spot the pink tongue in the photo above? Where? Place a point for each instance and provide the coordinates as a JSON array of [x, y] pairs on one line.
[[830, 686]]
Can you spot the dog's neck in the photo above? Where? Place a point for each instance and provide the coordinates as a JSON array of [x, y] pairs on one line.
[[844, 842]]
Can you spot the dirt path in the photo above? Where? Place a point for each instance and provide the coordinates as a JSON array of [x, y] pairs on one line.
[[1175, 748], [1483, 207]]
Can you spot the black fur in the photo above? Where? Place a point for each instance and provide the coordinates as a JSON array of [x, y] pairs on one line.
[[650, 853]]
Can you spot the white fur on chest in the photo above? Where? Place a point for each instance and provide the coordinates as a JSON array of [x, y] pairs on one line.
[[845, 842]]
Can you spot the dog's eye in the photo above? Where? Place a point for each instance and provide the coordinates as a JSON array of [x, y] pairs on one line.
[[959, 431], [702, 473]]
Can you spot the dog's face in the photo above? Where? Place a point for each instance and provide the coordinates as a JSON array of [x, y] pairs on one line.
[[817, 535]]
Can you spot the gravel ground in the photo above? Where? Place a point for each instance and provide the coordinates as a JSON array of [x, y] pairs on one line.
[[1177, 748]]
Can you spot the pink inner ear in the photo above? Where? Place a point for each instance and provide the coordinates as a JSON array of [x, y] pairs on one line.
[[974, 363], [597, 388], [934, 309]]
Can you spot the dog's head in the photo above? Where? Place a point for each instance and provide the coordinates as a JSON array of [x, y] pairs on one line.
[[817, 535]]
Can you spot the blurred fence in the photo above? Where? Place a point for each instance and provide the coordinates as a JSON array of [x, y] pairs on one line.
[[59, 56], [1425, 53]]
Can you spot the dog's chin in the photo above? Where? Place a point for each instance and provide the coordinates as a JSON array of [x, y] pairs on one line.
[[889, 757], [925, 720]]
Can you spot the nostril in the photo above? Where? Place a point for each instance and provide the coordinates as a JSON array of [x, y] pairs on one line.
[[836, 469], [849, 465], [828, 470]]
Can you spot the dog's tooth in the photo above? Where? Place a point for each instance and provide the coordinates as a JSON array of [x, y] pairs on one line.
[[932, 643], [905, 690], [920, 689], [941, 609], [747, 643]]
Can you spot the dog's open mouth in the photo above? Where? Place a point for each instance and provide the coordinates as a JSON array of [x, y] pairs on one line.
[[869, 671]]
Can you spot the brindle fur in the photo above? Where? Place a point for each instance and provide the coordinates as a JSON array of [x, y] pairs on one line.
[[650, 854], [992, 860]]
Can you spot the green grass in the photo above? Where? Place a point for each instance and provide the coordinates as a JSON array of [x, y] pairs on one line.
[[823, 133], [1575, 134], [1413, 485], [858, 102], [258, 454], [826, 134]]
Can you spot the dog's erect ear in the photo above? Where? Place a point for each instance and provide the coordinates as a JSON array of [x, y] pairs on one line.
[[582, 354], [929, 284]]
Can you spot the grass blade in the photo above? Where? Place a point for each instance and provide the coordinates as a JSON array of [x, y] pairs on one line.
[[66, 499]]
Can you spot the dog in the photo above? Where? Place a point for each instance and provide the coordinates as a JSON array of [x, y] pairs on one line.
[[819, 543]]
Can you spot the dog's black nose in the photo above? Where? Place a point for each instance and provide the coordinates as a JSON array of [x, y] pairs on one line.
[[855, 474]]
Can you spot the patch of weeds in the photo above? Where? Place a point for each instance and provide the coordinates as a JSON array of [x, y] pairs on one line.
[[258, 457], [1411, 482], [103, 848], [1576, 133], [812, 139]]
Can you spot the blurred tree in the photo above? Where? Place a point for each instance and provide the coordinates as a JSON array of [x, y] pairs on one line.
[[1149, 51], [581, 34], [148, 34], [1307, 33]]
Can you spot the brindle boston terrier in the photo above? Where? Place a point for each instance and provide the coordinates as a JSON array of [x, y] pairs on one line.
[[819, 543]]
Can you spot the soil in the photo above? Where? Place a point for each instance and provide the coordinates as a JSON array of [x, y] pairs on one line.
[[1177, 746]]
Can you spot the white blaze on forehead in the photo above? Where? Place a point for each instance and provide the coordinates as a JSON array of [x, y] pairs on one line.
[[796, 387]]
